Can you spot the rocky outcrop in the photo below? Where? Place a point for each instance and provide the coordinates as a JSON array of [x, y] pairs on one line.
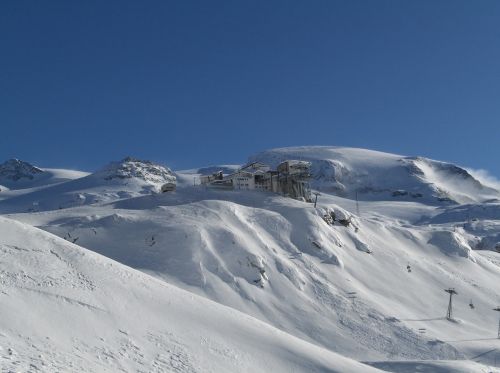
[[135, 168], [15, 169]]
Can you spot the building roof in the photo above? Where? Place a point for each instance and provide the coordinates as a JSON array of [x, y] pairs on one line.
[[254, 165]]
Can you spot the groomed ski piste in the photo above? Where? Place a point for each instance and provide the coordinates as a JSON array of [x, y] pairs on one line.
[[100, 272]]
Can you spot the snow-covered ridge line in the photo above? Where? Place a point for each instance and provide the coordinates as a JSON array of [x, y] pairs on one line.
[[376, 175], [15, 169], [135, 168], [127, 178], [363, 278]]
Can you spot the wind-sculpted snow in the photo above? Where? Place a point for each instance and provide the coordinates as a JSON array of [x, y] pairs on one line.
[[375, 175], [280, 260], [452, 243], [433, 367], [69, 310], [362, 278], [478, 223], [465, 214]]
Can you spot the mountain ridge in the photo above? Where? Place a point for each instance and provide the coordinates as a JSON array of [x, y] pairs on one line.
[[375, 175], [361, 277]]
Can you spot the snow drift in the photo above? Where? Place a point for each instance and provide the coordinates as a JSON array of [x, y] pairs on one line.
[[67, 309], [376, 175], [364, 279]]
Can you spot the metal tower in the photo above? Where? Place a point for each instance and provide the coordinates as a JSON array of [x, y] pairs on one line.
[[316, 199], [498, 309], [449, 314]]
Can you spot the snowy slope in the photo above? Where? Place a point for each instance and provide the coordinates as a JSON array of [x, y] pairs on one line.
[[124, 179], [19, 177], [276, 259], [376, 175], [433, 367], [346, 289], [67, 309]]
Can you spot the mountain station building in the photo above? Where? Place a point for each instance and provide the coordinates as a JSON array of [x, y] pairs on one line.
[[291, 178]]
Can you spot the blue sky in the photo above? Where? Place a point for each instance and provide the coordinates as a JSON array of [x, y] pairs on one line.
[[191, 83]]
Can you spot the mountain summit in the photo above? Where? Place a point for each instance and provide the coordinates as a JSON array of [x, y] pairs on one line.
[[362, 278], [130, 167], [374, 175], [127, 178], [15, 169]]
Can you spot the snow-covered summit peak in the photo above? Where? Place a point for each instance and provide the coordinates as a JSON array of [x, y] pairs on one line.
[[15, 169], [127, 178], [130, 167], [377, 175]]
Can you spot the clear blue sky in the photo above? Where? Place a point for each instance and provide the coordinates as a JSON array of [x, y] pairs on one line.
[[191, 83]]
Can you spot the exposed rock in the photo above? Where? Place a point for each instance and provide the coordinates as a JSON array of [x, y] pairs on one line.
[[15, 169], [135, 168]]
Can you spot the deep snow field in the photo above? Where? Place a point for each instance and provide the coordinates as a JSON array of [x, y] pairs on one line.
[[100, 272]]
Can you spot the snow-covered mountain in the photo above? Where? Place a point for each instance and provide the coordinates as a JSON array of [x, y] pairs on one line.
[[131, 168], [16, 174], [123, 179], [371, 290], [382, 176], [14, 170], [66, 309]]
